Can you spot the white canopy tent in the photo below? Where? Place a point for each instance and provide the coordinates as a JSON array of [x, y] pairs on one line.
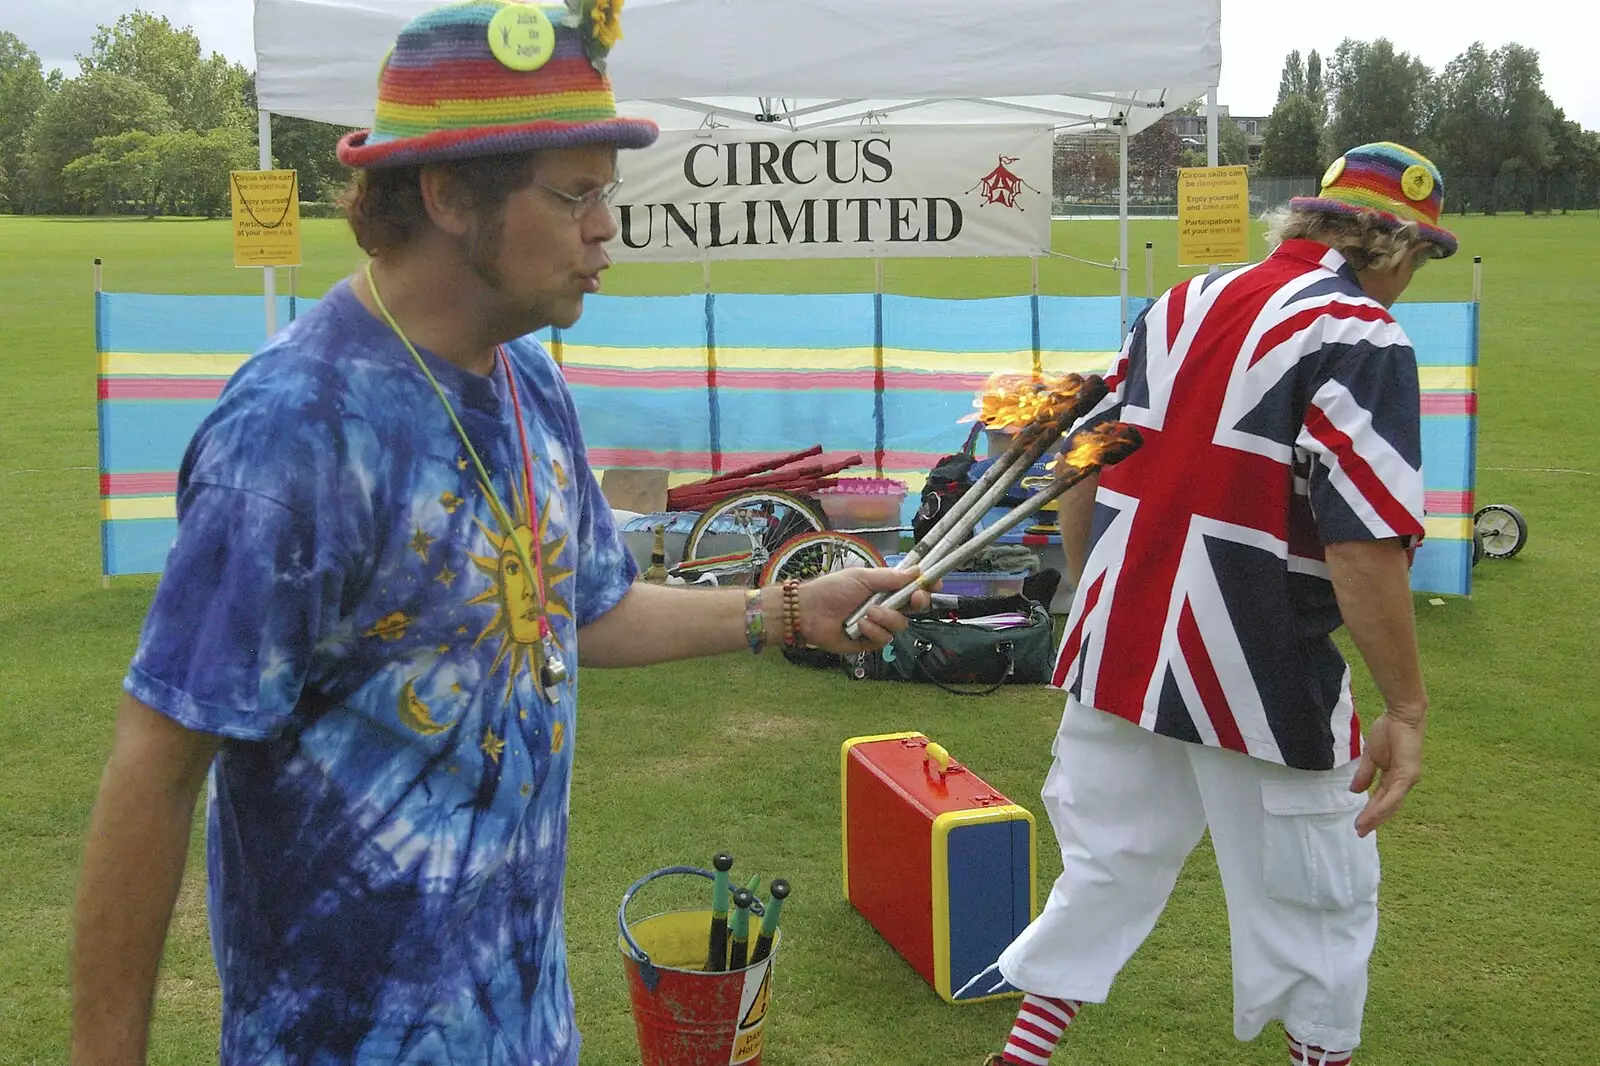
[[686, 64]]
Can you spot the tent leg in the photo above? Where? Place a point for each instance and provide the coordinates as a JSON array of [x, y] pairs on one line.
[[1122, 220], [1211, 127], [269, 275], [1212, 137]]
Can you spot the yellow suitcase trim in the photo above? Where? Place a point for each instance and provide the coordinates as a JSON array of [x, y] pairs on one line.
[[844, 798]]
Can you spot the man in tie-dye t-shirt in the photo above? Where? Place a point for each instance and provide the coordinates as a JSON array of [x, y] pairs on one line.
[[391, 558]]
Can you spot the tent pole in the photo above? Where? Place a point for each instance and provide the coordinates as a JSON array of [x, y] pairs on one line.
[[269, 275], [1122, 220], [1211, 127], [1212, 137]]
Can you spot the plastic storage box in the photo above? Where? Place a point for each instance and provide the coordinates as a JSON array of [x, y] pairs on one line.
[[977, 582], [862, 502], [940, 863]]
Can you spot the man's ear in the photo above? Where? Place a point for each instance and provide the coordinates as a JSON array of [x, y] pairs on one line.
[[441, 196]]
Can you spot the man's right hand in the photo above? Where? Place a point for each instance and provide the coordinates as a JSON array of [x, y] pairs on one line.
[[1393, 754]]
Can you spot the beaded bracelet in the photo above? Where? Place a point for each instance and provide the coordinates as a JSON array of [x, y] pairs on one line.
[[791, 612], [755, 622]]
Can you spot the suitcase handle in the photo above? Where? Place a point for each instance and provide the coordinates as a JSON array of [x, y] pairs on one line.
[[936, 753]]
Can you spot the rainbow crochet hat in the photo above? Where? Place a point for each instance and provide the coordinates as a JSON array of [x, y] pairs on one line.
[[1388, 180], [484, 77]]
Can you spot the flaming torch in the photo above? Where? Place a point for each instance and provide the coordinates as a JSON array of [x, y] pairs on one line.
[[1052, 414], [1045, 407], [1090, 451]]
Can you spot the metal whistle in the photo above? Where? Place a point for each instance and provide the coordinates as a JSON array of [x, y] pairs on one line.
[[552, 671]]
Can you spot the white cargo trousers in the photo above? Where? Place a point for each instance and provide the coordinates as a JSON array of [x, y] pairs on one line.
[[1128, 806]]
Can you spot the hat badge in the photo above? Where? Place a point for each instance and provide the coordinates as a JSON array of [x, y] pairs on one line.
[[521, 37], [1416, 182]]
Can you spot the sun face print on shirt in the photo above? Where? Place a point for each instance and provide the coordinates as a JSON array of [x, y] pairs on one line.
[[516, 587]]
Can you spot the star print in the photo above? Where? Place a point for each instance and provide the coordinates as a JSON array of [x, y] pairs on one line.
[[450, 501], [421, 542], [461, 464], [444, 649], [523, 715], [491, 745], [446, 577], [527, 789], [461, 631], [456, 687]]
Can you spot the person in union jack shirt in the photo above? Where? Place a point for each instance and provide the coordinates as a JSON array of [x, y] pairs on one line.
[[1278, 495]]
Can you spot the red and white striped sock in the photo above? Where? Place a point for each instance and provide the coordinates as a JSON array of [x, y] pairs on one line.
[[1039, 1025], [1303, 1054]]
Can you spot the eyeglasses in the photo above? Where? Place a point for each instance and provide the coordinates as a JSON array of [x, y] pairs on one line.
[[587, 202]]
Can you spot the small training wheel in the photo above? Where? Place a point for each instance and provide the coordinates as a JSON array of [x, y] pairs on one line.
[[1499, 530]]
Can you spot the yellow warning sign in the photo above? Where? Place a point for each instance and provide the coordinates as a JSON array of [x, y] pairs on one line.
[[266, 218], [747, 1043], [747, 1046], [758, 1008], [1213, 215]]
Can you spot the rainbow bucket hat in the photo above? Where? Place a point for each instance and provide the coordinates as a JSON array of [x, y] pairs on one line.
[[1388, 180], [485, 77]]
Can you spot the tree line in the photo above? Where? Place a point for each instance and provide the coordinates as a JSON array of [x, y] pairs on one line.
[[150, 125], [1499, 139], [1485, 119]]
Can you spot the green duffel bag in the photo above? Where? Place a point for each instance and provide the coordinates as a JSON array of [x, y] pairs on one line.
[[944, 646]]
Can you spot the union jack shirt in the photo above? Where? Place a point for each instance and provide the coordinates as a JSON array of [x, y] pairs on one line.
[[1280, 412]]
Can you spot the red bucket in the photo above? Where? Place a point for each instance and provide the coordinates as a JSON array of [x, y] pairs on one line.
[[685, 1016]]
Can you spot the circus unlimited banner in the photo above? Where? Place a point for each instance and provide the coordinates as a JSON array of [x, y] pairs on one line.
[[848, 191]]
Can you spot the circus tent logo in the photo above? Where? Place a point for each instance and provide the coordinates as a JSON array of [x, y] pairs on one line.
[[1000, 186]]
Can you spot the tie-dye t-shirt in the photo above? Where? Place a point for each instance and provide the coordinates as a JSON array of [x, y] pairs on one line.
[[387, 817]]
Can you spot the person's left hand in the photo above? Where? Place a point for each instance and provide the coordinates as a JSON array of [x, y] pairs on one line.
[[826, 601]]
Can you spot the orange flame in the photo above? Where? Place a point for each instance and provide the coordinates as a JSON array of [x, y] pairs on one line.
[[1010, 399], [1090, 447]]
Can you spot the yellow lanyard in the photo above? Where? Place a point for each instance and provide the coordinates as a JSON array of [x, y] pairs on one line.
[[554, 670]]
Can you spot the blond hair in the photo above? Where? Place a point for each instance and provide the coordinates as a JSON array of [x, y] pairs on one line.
[[1367, 240]]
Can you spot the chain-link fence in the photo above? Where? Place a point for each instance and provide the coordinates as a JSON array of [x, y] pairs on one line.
[[1522, 193], [1084, 189]]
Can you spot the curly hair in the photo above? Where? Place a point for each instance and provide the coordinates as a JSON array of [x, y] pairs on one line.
[[1368, 241], [386, 212]]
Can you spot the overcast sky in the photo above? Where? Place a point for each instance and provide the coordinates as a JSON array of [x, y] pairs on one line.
[[1256, 35]]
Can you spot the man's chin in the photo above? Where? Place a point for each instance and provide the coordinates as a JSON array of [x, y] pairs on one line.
[[567, 315]]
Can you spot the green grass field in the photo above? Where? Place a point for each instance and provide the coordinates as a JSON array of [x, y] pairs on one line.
[[1490, 949]]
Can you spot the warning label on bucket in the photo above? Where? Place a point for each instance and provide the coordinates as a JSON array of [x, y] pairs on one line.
[[752, 1014]]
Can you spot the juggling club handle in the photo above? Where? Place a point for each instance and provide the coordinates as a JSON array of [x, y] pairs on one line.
[[769, 921], [740, 929], [717, 949]]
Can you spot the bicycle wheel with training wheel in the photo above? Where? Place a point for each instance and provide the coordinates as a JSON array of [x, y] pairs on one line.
[[812, 554], [1501, 529], [757, 521]]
